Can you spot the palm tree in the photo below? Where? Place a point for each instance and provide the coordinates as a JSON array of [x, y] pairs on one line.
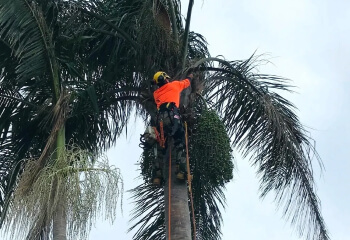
[[53, 105], [91, 68]]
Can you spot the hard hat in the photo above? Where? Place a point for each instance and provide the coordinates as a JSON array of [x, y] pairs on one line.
[[160, 78]]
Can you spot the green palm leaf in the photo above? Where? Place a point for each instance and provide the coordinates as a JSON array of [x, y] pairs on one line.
[[26, 100], [24, 36], [263, 125], [149, 201]]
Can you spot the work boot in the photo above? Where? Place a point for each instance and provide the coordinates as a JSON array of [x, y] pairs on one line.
[[181, 176], [180, 172], [157, 178], [156, 181]]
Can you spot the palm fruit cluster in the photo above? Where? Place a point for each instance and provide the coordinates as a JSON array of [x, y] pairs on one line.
[[210, 150]]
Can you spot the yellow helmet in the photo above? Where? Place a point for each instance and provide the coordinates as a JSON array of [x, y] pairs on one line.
[[160, 78]]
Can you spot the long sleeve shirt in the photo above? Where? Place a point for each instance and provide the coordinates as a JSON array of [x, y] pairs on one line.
[[170, 92]]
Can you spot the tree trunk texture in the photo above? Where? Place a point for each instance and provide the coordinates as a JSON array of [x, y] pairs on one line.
[[60, 222], [176, 204], [59, 228]]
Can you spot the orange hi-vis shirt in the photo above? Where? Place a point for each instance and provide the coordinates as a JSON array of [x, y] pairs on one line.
[[170, 92]]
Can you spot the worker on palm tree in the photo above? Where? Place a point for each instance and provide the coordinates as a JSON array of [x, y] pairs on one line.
[[167, 99]]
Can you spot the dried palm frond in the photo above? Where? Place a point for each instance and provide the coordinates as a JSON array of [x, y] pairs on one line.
[[88, 190]]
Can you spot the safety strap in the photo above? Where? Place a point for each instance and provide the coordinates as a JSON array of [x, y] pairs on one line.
[[166, 106], [162, 138], [169, 197], [189, 183]]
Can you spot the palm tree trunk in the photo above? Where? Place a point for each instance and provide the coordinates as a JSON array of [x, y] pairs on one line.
[[177, 216], [59, 228]]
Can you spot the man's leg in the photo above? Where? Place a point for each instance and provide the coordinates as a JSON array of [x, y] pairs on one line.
[[158, 166], [180, 148]]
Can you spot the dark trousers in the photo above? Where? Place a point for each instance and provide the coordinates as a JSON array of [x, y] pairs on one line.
[[173, 128]]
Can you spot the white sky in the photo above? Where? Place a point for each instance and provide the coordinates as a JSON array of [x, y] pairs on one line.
[[308, 41]]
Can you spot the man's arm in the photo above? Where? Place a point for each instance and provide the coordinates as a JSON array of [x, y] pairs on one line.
[[186, 82]]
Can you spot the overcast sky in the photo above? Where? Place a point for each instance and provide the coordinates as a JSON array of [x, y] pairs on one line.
[[308, 42]]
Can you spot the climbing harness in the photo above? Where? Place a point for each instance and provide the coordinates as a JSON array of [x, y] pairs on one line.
[[169, 114]]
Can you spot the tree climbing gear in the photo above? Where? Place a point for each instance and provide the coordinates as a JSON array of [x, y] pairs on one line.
[[149, 137], [169, 114], [189, 180], [160, 138], [148, 140]]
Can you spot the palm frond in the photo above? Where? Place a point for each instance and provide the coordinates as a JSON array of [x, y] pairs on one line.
[[184, 48], [197, 47], [25, 37], [20, 136], [262, 123], [89, 187], [26, 95], [149, 201], [98, 116]]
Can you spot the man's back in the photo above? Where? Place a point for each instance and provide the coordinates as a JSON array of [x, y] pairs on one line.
[[170, 92]]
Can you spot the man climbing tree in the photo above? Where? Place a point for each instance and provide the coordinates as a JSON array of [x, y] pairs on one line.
[[168, 122], [89, 74]]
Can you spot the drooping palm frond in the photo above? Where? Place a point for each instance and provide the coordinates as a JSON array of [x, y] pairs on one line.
[[88, 189], [197, 47], [24, 85], [25, 38], [262, 123], [150, 205], [28, 137]]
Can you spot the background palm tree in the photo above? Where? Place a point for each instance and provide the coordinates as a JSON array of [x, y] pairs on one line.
[[92, 66], [50, 92]]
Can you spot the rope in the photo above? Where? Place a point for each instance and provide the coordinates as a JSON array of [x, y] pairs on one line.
[[169, 201], [189, 183], [162, 138], [188, 179]]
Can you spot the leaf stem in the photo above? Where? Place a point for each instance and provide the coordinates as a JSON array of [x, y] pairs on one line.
[[186, 33]]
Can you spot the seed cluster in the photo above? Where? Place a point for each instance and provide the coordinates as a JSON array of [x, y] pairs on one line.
[[210, 150]]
